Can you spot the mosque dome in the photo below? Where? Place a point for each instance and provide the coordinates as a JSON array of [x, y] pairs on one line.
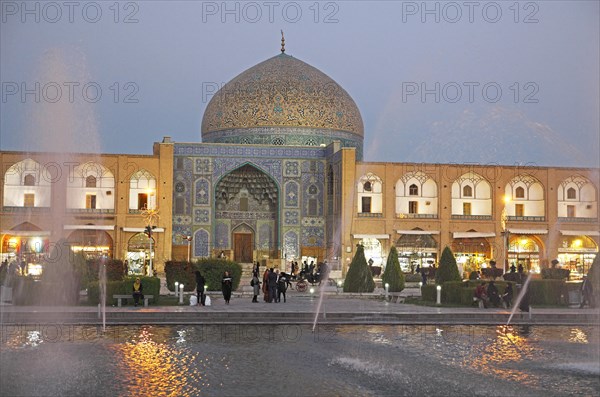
[[283, 101]]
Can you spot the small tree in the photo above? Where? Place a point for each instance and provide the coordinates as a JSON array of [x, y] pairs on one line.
[[448, 270], [359, 277], [393, 275]]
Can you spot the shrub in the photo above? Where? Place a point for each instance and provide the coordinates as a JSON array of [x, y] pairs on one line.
[[429, 292], [393, 275], [555, 273], [548, 292], [151, 286], [359, 277], [25, 291], [212, 270], [60, 279], [452, 291], [448, 270], [412, 277], [114, 269], [182, 272]]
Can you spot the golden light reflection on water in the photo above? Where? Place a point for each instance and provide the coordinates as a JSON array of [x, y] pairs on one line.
[[578, 336], [496, 356], [156, 368]]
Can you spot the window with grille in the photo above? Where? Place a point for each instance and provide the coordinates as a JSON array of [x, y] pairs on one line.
[[366, 204], [413, 207], [179, 205], [519, 210], [367, 186], [142, 201], [413, 190], [29, 180], [29, 200], [571, 193], [467, 191], [243, 203], [90, 181], [520, 192], [312, 207], [90, 201], [466, 208]]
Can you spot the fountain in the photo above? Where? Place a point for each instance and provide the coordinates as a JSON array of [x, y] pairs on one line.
[[519, 299], [102, 286]]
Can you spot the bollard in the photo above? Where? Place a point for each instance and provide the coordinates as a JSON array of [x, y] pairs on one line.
[[439, 294], [387, 291], [176, 288], [181, 294]]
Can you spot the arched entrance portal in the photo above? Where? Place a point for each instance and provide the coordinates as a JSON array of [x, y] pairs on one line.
[[247, 205]]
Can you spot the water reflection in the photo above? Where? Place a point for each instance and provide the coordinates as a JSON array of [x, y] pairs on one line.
[[336, 360], [155, 367], [578, 336]]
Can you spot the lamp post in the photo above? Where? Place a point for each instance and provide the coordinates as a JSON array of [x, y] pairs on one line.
[[505, 232], [148, 232], [189, 240]]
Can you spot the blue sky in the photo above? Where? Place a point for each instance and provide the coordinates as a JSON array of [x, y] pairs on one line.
[[444, 82]]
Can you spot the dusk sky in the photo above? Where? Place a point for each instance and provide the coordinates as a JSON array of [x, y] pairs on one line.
[[439, 82]]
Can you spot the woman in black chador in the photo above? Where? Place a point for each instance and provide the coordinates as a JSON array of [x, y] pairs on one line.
[[226, 286], [200, 288]]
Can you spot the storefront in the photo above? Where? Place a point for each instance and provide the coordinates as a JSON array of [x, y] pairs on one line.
[[375, 254], [472, 251], [92, 240], [524, 250], [576, 252], [25, 250], [416, 249]]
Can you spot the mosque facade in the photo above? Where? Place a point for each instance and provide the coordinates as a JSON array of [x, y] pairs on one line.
[[279, 176]]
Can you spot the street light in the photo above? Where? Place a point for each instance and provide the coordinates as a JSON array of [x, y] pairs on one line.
[[505, 232], [189, 240], [148, 232]]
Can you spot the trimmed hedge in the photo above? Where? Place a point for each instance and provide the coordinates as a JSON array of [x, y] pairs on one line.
[[213, 269], [182, 272], [429, 292], [555, 274], [452, 291], [548, 292], [151, 286], [26, 291], [412, 277]]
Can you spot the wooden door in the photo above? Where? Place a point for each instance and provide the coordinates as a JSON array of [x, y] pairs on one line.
[[242, 243]]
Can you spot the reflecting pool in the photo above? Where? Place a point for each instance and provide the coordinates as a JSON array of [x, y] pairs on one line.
[[245, 360]]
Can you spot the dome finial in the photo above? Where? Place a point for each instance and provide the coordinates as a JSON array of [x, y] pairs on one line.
[[282, 42]]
